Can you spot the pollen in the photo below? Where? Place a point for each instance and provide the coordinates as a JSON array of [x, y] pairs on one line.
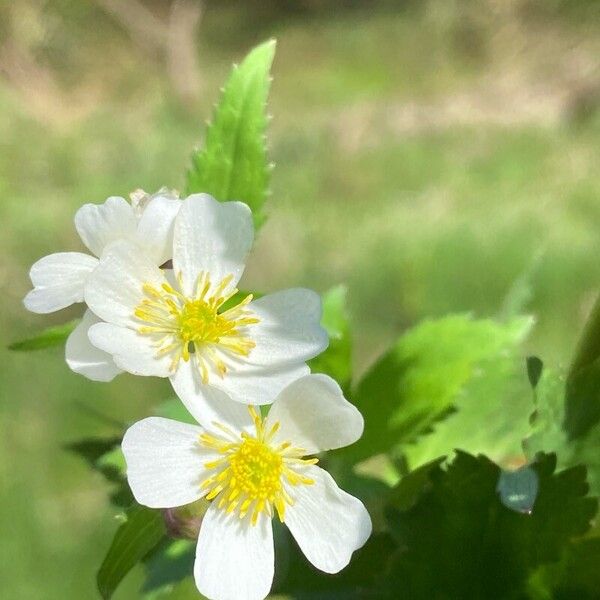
[[253, 475], [197, 328]]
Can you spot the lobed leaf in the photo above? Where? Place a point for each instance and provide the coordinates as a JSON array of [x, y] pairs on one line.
[[296, 578], [459, 540], [419, 381], [491, 412]]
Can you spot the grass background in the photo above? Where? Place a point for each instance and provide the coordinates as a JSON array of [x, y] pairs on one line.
[[431, 155]]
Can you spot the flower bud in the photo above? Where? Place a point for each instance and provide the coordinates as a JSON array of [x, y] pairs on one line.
[[184, 521]]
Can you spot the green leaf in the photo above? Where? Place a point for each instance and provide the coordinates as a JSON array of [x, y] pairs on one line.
[[233, 163], [499, 397], [296, 578], [172, 562], [582, 399], [520, 293], [460, 541], [134, 539], [336, 361], [48, 338], [93, 449], [420, 379], [579, 573], [182, 590], [406, 494], [104, 456], [547, 433]]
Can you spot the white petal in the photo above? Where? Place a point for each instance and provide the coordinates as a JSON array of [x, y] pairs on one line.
[[313, 414], [234, 560], [206, 403], [84, 358], [100, 224], [328, 524], [165, 462], [59, 280], [155, 228], [289, 329], [259, 386], [115, 288], [131, 351], [211, 236]]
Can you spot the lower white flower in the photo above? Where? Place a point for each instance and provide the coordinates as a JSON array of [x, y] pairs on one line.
[[59, 279], [252, 469]]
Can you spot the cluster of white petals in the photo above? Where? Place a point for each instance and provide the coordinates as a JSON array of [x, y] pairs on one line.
[[168, 463], [152, 316], [59, 279], [162, 300]]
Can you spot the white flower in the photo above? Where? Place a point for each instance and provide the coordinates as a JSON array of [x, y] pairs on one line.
[[59, 279], [184, 327], [253, 469]]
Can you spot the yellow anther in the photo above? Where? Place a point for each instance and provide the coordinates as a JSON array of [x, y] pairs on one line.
[[193, 328], [252, 476]]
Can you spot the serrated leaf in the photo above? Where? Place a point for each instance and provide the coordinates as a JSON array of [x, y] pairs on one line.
[[134, 539], [233, 163], [419, 380], [460, 541], [336, 361], [48, 338], [497, 396], [547, 433], [405, 495]]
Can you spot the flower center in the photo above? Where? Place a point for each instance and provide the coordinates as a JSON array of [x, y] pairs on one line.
[[252, 475], [256, 469], [199, 323], [194, 327]]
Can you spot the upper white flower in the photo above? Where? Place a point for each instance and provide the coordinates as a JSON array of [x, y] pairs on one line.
[[59, 279], [186, 324], [250, 469]]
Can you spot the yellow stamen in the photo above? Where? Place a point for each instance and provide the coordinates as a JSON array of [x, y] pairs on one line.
[[251, 475], [194, 328]]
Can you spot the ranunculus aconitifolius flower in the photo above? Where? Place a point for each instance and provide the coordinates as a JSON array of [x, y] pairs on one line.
[[252, 469], [189, 325]]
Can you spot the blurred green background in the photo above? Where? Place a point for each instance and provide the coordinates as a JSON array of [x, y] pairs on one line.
[[432, 155]]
